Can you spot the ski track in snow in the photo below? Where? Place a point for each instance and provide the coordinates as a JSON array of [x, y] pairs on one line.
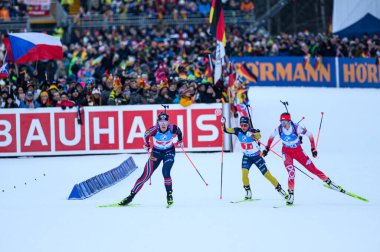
[[37, 216]]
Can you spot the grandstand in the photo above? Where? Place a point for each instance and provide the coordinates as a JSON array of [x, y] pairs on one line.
[[162, 51]]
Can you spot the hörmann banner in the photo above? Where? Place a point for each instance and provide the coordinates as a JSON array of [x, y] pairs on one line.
[[108, 129], [359, 72], [302, 72]]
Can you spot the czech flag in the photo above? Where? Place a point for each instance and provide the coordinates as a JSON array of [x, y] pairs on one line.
[[32, 46]]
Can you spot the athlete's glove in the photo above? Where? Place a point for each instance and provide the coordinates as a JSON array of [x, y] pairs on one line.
[[180, 144], [265, 152], [257, 134], [223, 120], [300, 138], [314, 152], [146, 147]]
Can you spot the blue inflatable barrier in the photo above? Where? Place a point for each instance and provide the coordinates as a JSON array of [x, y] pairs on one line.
[[99, 182]]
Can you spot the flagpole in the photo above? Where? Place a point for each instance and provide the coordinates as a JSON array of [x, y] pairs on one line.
[[5, 56], [16, 66]]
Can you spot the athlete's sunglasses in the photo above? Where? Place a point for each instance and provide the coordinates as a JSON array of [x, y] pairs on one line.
[[284, 122], [161, 123], [244, 125]]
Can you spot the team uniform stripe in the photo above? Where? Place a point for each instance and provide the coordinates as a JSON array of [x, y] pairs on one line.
[[144, 177]]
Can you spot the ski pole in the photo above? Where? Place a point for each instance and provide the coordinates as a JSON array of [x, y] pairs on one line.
[[249, 114], [221, 165], [193, 165], [281, 158], [150, 178], [319, 131], [301, 120]]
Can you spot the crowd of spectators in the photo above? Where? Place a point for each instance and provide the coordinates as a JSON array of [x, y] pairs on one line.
[[154, 65], [11, 9], [301, 44], [158, 8]]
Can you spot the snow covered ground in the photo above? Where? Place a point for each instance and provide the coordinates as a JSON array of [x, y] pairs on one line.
[[37, 216]]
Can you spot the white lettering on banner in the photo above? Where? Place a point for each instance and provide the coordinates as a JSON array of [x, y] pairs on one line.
[[5, 132], [207, 127], [110, 130], [180, 125], [180, 122], [35, 125], [62, 135], [137, 122]]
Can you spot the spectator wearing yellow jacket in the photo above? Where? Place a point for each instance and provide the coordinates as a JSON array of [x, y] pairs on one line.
[[116, 95]]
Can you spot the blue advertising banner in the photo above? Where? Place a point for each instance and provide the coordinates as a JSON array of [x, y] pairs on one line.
[[359, 72], [290, 71], [295, 71]]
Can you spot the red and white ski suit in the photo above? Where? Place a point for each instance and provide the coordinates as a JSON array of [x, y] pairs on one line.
[[291, 149]]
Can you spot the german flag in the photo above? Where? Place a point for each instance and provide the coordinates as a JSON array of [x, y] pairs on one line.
[[217, 21], [217, 30], [247, 73]]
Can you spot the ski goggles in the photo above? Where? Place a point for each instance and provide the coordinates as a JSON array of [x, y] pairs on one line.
[[283, 122], [162, 123], [244, 125]]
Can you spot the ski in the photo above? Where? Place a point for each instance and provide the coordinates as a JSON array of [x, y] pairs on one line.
[[286, 205], [117, 205], [348, 193], [169, 206], [244, 200]]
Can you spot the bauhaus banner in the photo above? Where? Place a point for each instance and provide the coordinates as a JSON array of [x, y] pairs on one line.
[[111, 129]]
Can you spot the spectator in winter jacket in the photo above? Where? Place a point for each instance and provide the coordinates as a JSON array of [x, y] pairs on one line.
[[173, 92], [136, 94], [65, 102], [163, 97], [107, 89], [10, 102], [210, 95], [96, 98], [29, 101], [44, 100], [187, 96], [116, 95], [77, 97]]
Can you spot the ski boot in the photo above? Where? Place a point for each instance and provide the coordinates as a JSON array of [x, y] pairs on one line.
[[290, 199], [248, 192], [127, 200], [281, 191], [169, 197], [333, 185]]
